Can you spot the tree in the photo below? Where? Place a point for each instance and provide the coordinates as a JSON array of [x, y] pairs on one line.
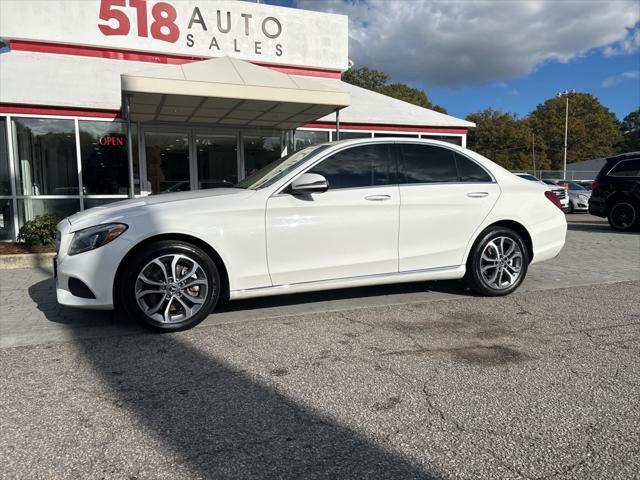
[[506, 140], [631, 133], [377, 81], [594, 131]]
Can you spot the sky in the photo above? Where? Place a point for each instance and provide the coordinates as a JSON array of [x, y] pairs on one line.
[[510, 55]]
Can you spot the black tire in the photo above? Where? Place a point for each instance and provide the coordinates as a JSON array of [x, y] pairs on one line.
[[624, 215], [178, 292], [476, 263], [570, 207]]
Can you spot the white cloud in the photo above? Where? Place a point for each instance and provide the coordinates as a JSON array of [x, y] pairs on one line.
[[461, 43], [617, 79], [629, 44]]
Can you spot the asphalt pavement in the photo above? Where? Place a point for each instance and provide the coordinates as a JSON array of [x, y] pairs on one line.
[[427, 381]]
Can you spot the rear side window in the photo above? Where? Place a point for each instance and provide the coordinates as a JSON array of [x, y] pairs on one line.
[[427, 164], [470, 171], [362, 166], [626, 168]]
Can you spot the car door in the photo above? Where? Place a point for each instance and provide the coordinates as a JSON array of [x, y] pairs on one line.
[[444, 197], [348, 231]]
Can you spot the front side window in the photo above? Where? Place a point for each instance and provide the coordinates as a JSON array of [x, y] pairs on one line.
[[46, 157], [427, 164], [626, 168], [361, 166]]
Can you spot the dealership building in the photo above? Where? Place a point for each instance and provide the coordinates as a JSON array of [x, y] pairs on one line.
[[102, 100]]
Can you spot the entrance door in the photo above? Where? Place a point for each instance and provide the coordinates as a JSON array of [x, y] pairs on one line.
[[167, 162], [217, 159]]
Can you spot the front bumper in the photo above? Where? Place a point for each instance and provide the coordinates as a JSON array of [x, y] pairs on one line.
[[96, 269]]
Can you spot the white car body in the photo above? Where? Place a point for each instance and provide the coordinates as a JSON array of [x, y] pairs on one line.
[[560, 192], [272, 242]]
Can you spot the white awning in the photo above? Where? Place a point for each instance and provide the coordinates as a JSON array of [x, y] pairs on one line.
[[230, 92]]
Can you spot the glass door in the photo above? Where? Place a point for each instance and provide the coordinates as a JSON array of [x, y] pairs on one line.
[[217, 160], [167, 162]]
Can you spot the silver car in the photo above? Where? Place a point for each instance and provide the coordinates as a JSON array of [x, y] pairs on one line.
[[578, 195]]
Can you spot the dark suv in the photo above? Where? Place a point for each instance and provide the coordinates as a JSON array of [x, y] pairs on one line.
[[616, 192]]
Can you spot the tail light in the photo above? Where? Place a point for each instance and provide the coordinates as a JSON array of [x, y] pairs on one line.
[[552, 197], [595, 185]]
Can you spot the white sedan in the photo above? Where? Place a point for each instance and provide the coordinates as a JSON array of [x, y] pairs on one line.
[[344, 214]]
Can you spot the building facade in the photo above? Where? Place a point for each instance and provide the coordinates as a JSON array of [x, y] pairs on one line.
[[102, 100]]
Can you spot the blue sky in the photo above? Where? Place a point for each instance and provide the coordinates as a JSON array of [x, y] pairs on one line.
[[509, 55]]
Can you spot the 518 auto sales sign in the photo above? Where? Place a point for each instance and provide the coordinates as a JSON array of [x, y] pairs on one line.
[[201, 28]]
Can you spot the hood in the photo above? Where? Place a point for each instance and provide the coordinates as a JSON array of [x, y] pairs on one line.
[[118, 211]]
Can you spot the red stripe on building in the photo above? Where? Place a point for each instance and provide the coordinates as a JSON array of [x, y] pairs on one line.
[[134, 56], [20, 109], [389, 128]]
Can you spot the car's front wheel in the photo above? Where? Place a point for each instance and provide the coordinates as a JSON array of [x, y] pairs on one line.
[[170, 286], [623, 216], [498, 262]]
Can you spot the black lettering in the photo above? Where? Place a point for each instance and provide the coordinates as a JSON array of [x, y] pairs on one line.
[[258, 47], [246, 17], [214, 43], [190, 41], [235, 45], [196, 17], [228, 27], [278, 49], [277, 24]]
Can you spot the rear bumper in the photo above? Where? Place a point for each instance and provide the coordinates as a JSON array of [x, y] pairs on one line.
[[597, 207], [548, 238]]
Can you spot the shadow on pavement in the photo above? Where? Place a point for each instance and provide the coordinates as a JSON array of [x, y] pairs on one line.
[[595, 227], [220, 422]]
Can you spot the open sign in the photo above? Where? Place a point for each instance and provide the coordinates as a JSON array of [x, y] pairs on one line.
[[111, 141]]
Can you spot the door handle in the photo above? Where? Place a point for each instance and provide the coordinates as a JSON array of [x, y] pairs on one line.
[[377, 198], [477, 194]]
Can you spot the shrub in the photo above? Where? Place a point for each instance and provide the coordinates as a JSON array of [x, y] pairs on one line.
[[39, 231]]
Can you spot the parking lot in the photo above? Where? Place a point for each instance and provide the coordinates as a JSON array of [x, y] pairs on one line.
[[408, 381]]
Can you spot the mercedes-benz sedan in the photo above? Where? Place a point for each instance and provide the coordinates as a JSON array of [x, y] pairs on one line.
[[344, 214]]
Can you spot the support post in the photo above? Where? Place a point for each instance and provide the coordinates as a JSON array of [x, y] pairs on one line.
[[337, 124], [127, 109]]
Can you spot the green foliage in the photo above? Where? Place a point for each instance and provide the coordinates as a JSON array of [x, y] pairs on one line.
[[594, 131], [506, 140], [39, 231], [631, 133], [377, 81]]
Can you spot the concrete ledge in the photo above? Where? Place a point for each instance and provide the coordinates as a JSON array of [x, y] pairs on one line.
[[28, 260]]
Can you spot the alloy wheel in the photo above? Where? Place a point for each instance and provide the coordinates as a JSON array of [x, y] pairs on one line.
[[172, 288], [623, 215], [501, 263]]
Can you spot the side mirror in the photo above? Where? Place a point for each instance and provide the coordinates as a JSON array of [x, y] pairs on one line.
[[309, 183]]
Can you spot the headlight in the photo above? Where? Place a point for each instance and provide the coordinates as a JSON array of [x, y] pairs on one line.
[[94, 237]]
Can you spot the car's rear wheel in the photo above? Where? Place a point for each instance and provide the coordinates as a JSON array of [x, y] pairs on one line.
[[170, 286], [498, 262], [623, 216]]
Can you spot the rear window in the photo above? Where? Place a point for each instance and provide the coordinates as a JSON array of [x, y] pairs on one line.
[[626, 168]]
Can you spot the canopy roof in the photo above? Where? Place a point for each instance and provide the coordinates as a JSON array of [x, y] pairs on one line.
[[228, 91]]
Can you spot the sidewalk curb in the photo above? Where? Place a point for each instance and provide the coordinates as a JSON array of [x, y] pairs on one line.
[[27, 260]]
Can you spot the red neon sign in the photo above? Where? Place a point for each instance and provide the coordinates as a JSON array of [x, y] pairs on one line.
[[111, 141]]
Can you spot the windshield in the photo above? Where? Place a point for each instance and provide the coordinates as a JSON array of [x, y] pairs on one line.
[[575, 186], [275, 171]]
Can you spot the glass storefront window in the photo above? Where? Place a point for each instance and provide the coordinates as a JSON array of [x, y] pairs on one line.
[[350, 135], [103, 149], [306, 138], [97, 202], [445, 138], [217, 157], [46, 157], [6, 219], [29, 208], [399, 134], [5, 178], [259, 151], [167, 162]]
